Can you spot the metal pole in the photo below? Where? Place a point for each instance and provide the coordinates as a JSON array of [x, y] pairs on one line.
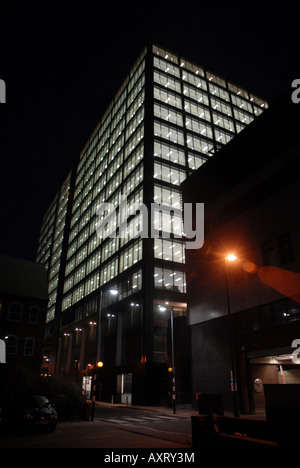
[[97, 357], [173, 363], [232, 350], [98, 352], [93, 396]]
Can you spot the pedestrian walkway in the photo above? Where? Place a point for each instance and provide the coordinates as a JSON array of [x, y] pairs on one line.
[[139, 420], [182, 411]]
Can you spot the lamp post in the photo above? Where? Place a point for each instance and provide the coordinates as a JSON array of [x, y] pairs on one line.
[[231, 258], [114, 292], [98, 362], [173, 358], [173, 362]]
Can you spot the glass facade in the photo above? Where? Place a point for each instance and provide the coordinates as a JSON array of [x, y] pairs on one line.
[[110, 165], [50, 243], [191, 113]]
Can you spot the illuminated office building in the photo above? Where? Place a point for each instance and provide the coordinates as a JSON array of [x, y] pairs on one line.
[[168, 117]]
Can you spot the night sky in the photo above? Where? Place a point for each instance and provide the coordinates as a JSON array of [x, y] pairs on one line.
[[62, 66]]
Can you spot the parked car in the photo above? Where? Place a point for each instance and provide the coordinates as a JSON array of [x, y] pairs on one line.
[[30, 413]]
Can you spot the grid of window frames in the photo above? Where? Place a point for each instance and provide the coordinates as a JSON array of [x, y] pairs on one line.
[[111, 165], [50, 243], [195, 113]]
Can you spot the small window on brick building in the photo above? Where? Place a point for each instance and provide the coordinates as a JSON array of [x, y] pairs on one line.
[[29, 347], [11, 343], [33, 315], [15, 313]]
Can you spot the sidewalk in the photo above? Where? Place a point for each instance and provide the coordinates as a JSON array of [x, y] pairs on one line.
[[183, 411]]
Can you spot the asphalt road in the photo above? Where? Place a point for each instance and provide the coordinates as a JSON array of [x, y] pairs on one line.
[[112, 428]]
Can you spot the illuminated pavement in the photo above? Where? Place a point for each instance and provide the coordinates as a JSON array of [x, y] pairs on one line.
[[113, 427]]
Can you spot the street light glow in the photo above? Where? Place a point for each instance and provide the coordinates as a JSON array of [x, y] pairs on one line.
[[231, 257], [114, 292]]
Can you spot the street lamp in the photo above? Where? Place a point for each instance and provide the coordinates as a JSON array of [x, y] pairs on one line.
[[231, 258], [113, 292], [163, 309], [98, 361]]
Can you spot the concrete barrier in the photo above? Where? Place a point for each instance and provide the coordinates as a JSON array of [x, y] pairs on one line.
[[222, 431]]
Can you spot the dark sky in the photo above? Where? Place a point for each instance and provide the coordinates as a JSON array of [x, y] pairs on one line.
[[63, 65]]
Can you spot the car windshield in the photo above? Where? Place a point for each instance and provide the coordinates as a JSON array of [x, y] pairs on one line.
[[38, 401]]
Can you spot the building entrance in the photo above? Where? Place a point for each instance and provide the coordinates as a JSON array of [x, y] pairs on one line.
[[275, 368], [124, 388]]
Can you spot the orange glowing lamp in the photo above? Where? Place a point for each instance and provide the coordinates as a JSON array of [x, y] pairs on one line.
[[231, 257]]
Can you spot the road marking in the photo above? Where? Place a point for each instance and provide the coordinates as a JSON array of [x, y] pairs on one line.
[[113, 420], [132, 419], [167, 417], [150, 418], [123, 420]]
